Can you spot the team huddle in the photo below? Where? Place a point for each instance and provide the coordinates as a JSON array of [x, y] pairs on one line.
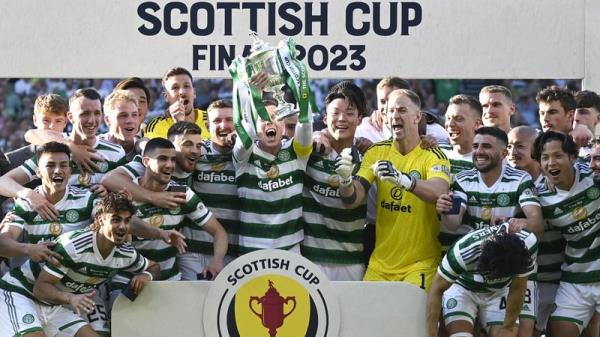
[[497, 224]]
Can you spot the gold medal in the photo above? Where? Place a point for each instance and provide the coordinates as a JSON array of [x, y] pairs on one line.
[[580, 213], [273, 172], [334, 180], [55, 228], [84, 178], [486, 213], [156, 220], [218, 167]]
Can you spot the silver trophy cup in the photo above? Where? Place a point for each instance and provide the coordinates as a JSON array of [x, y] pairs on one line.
[[264, 58]]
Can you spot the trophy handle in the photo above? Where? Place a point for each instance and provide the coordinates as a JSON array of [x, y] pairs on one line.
[[292, 298], [252, 299]]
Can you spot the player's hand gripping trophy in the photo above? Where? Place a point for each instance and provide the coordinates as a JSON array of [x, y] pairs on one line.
[[281, 68]]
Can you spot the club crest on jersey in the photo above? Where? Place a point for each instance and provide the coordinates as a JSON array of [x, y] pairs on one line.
[[272, 293], [102, 166], [55, 228], [72, 215], [284, 155], [28, 319], [415, 174], [175, 210], [503, 199], [593, 193]]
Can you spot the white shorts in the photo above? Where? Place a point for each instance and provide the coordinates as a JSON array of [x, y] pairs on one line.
[[546, 305], [343, 272], [192, 264], [460, 304], [20, 314], [576, 303]]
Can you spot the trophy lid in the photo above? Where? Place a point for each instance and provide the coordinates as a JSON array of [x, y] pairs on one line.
[[258, 45]]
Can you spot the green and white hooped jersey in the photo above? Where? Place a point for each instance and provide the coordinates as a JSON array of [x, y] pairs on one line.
[[460, 263], [458, 163], [332, 232], [270, 192], [552, 244], [76, 210], [506, 198], [82, 266], [576, 214], [214, 182], [112, 155], [192, 213]]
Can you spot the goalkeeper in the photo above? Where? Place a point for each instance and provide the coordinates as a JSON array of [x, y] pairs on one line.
[[410, 180]]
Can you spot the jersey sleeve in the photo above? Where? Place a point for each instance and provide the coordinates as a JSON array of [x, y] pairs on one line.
[[532, 247], [18, 216], [66, 263], [452, 265], [135, 168], [438, 165], [29, 167], [154, 129], [195, 210], [527, 193], [365, 171], [138, 263]]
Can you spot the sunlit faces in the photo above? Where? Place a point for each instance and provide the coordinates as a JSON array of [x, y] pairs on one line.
[[588, 117], [115, 226], [289, 124], [488, 152], [553, 117], [520, 147], [270, 133], [497, 109], [50, 121], [220, 125], [180, 87], [86, 115], [382, 97], [161, 166], [342, 119], [54, 169], [595, 160], [461, 123], [142, 102], [188, 149], [123, 120], [557, 165], [403, 117]]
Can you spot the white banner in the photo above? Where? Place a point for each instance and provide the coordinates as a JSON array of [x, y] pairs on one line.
[[338, 39]]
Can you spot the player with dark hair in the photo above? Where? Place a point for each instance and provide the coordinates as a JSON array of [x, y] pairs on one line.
[[483, 276], [43, 300]]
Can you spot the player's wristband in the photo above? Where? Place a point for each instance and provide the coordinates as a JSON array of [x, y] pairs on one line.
[[149, 274]]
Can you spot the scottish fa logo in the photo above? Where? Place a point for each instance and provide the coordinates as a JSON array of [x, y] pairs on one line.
[[271, 293]]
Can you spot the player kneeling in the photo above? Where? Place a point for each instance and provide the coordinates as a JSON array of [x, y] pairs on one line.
[[59, 298]]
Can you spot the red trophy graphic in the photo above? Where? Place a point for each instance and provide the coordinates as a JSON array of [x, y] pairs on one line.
[[272, 315]]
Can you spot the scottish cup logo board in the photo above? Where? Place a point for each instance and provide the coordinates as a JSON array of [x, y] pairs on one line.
[[271, 293]]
